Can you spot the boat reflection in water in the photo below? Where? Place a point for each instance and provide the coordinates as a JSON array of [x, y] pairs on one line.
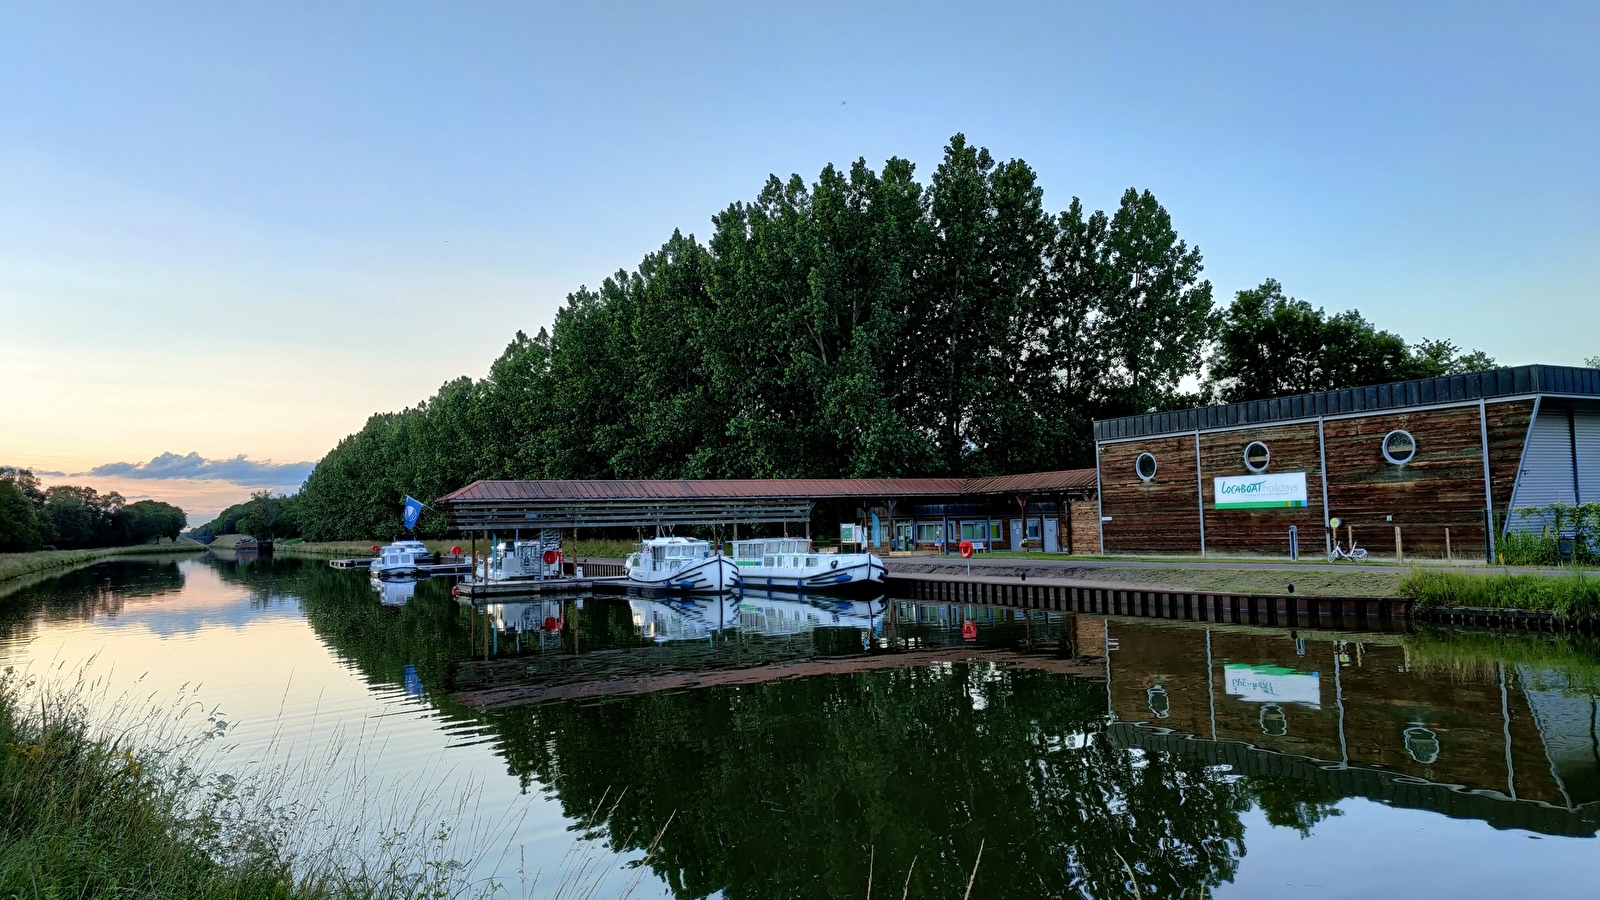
[[786, 746], [394, 591]]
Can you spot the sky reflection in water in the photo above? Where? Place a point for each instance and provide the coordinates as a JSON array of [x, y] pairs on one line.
[[789, 740]]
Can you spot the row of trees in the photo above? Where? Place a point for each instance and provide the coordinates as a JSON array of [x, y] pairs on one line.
[[262, 516], [866, 324], [70, 517]]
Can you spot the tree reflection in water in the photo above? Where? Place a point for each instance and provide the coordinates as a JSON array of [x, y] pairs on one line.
[[788, 787]]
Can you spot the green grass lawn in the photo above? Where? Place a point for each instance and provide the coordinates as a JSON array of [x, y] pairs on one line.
[[16, 565], [1260, 581]]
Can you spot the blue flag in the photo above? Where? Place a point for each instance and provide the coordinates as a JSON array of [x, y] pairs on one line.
[[413, 512]]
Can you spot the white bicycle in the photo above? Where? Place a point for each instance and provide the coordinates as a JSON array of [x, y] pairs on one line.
[[1354, 554]]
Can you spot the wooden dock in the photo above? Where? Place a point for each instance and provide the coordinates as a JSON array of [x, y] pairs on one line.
[[1283, 610], [532, 587], [464, 567]]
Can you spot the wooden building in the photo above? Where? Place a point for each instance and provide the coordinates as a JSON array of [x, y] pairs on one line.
[[1042, 511], [1428, 468]]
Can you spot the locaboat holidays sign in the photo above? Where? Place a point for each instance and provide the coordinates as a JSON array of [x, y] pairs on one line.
[[1261, 491]]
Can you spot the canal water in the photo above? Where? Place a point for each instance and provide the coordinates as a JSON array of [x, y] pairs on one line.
[[771, 746]]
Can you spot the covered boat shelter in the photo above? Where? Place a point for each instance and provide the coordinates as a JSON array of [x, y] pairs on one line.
[[929, 513]]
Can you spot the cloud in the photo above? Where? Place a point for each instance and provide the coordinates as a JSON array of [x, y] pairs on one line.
[[42, 473], [196, 467]]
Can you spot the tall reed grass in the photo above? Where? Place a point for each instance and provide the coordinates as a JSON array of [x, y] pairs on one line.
[[1571, 596], [138, 797]]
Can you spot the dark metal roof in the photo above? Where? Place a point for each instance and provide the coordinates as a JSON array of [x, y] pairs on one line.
[[769, 488], [506, 504], [1506, 382], [707, 489], [1032, 483]]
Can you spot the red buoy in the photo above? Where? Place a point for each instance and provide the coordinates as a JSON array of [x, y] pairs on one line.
[[966, 549], [376, 548], [550, 557], [455, 551], [969, 631], [551, 623]]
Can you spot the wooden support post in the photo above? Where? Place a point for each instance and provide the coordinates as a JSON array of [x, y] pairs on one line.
[[1399, 551], [1447, 554]]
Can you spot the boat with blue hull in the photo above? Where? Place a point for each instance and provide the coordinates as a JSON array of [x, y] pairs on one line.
[[793, 563], [680, 564]]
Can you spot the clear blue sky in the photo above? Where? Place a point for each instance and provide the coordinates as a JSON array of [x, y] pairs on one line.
[[347, 204]]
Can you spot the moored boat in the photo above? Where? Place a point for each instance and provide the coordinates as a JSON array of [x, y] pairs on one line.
[[793, 563], [680, 564], [401, 558]]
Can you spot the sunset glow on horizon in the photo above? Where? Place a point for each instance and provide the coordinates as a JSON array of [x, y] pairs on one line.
[[241, 233]]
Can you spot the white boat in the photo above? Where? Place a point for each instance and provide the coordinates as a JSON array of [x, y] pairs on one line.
[[679, 564], [401, 558], [793, 563]]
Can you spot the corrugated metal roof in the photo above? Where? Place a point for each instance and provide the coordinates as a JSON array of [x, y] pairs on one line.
[[766, 488], [1033, 482], [1506, 382]]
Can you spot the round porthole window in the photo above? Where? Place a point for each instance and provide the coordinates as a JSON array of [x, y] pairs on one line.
[[1256, 456], [1422, 743], [1160, 703], [1273, 721], [1399, 447], [1145, 466]]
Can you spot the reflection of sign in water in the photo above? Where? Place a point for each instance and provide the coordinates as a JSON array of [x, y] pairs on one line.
[[413, 681], [1272, 684]]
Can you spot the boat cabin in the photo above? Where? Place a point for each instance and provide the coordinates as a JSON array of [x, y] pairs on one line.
[[776, 553]]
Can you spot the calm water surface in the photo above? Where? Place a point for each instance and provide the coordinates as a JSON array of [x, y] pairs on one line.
[[789, 741]]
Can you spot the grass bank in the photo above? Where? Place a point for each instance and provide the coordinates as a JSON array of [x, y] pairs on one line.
[[1571, 596], [1316, 582], [114, 800], [16, 565]]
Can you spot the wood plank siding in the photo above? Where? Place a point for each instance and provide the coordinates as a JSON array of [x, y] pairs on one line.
[[1441, 487], [1080, 533], [1160, 515], [1293, 448]]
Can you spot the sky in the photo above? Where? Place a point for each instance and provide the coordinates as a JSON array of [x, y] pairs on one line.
[[231, 232]]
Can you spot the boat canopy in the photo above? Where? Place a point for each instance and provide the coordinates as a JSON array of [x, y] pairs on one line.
[[763, 547]]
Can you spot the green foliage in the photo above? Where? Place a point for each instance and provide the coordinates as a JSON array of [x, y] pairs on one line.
[[76, 518], [1269, 344], [262, 516], [866, 324], [1568, 596], [1526, 548], [83, 816], [22, 528], [1573, 528]]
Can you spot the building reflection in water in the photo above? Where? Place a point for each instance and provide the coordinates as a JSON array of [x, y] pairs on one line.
[[1401, 718]]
